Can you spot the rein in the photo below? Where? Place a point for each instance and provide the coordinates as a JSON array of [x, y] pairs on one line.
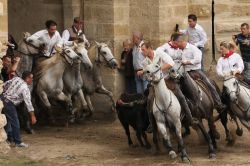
[[98, 61]]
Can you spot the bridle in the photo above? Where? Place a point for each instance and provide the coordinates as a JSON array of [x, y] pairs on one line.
[[28, 44], [98, 60], [157, 80], [237, 91]]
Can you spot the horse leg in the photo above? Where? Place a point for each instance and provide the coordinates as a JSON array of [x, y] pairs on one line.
[[224, 120], [212, 130], [211, 150], [155, 135], [90, 106], [246, 124], [161, 124], [239, 130], [181, 147], [44, 98], [103, 90]]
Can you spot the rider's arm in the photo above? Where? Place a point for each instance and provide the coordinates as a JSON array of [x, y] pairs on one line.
[[167, 61], [240, 64], [219, 68], [36, 35], [197, 55]]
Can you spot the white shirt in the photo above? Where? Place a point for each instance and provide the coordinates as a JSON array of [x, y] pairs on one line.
[[50, 43], [175, 54], [66, 36], [161, 58], [192, 54], [16, 90], [231, 64], [196, 36], [138, 57]]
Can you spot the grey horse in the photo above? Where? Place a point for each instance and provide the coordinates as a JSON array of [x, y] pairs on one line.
[[49, 78], [100, 55], [72, 77]]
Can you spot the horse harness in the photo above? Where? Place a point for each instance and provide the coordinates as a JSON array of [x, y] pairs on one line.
[[156, 82], [237, 93], [98, 60]]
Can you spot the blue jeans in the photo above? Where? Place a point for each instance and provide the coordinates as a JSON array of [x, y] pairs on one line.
[[202, 58], [141, 84], [13, 127]]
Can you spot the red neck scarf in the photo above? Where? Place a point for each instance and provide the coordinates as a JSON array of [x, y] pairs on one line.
[[172, 46], [228, 54]]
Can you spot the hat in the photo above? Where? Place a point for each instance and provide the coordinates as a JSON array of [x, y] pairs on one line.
[[78, 20]]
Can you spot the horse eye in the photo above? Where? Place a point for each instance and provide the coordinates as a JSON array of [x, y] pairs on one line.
[[148, 72], [234, 84], [104, 52], [30, 41], [67, 51]]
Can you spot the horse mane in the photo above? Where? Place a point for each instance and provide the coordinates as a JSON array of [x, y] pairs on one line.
[[92, 52], [44, 65]]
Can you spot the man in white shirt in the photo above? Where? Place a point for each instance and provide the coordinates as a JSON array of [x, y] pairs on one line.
[[191, 59], [175, 53], [16, 91], [196, 35], [50, 37], [74, 33], [141, 83]]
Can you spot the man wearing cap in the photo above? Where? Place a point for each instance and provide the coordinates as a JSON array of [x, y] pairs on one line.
[[74, 33]]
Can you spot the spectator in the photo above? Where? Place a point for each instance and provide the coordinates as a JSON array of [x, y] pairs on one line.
[[14, 92], [141, 83], [196, 35], [9, 67], [127, 66], [243, 40]]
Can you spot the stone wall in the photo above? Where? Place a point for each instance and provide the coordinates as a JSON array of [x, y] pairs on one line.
[[4, 147]]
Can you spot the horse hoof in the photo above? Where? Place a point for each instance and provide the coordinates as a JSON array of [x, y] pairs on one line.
[[239, 132], [212, 156], [185, 160], [172, 154]]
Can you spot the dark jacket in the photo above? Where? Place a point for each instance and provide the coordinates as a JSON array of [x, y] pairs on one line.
[[128, 66]]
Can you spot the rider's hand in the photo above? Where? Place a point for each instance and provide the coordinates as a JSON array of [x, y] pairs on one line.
[[16, 59], [140, 72]]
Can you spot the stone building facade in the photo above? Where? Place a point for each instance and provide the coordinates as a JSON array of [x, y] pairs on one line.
[[115, 20], [4, 147]]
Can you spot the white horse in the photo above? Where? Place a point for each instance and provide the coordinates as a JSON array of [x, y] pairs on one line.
[[239, 96], [166, 110]]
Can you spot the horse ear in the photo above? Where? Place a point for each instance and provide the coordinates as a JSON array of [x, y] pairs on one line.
[[98, 44], [58, 49]]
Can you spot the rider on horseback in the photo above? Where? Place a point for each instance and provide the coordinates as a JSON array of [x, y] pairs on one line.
[[175, 53], [191, 59], [50, 38], [230, 62]]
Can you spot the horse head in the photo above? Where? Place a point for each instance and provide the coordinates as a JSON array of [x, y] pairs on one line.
[[178, 70], [82, 52], [232, 88], [153, 73], [32, 45], [105, 54], [70, 56]]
